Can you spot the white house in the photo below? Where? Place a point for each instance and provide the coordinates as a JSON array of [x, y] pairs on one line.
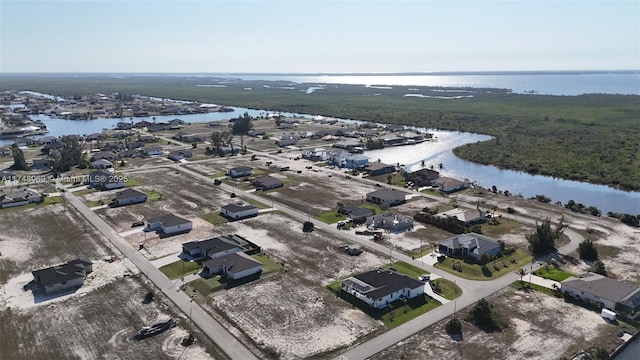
[[379, 288], [235, 211], [610, 293], [63, 277], [19, 198], [169, 224], [102, 164], [235, 266], [469, 245], [239, 171], [447, 184], [104, 180], [154, 151], [214, 248], [387, 197], [129, 196], [390, 221], [178, 155], [463, 215]]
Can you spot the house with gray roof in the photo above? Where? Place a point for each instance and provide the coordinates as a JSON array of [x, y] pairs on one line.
[[267, 182], [389, 197], [235, 266], [19, 198], [63, 277], [390, 221], [356, 213], [102, 164], [611, 294], [239, 171], [128, 197], [378, 288], [105, 181], [238, 211], [215, 247], [469, 245], [169, 224]]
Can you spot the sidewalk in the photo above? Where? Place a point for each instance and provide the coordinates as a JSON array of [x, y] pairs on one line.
[[541, 281], [165, 260], [429, 291]]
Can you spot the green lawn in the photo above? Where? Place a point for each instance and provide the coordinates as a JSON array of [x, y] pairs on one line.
[[268, 265], [449, 290], [154, 196], [526, 286], [493, 270], [179, 268], [551, 273], [215, 218], [93, 203], [330, 217], [131, 182], [505, 226], [257, 204], [407, 269]]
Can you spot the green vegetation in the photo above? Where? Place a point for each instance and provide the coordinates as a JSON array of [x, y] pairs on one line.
[[491, 270], [484, 316], [215, 218], [94, 203], [19, 162], [330, 217], [179, 268], [552, 273], [49, 200], [446, 288], [454, 326], [587, 250], [204, 287], [268, 265], [154, 196], [543, 239], [131, 182], [407, 269], [531, 133], [534, 287]]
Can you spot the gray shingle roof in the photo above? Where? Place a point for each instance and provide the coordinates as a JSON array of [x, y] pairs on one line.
[[387, 282], [601, 286], [60, 273], [238, 208], [216, 244], [471, 241], [169, 220], [235, 262], [388, 194], [129, 193]]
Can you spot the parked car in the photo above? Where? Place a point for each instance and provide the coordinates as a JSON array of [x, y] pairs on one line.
[[424, 277], [137, 223]]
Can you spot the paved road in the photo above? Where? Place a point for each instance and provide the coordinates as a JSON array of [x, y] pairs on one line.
[[227, 342]]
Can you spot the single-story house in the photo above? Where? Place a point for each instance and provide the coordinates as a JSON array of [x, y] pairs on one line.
[[379, 168], [169, 224], [153, 151], [388, 197], [287, 140], [224, 150], [147, 138], [132, 153], [422, 177], [42, 163], [465, 216], [215, 247], [390, 221], [267, 182], [102, 164], [63, 277], [178, 155], [156, 127], [239, 171], [356, 213], [129, 196], [235, 211], [317, 154], [447, 184], [103, 180], [5, 151], [107, 155], [235, 266], [380, 287], [612, 294], [469, 245], [19, 198]]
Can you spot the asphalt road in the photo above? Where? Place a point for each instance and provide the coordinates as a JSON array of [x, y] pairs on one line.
[[216, 332]]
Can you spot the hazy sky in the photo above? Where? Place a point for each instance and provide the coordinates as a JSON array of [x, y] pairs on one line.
[[326, 36]]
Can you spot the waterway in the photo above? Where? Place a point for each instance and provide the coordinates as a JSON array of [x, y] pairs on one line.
[[436, 152]]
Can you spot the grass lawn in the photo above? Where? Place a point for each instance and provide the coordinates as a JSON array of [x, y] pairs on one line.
[[525, 286], [330, 217], [131, 182], [93, 203], [407, 269], [268, 265], [257, 204], [154, 196], [506, 226], [83, 192], [493, 270], [49, 200], [551, 273], [449, 290], [215, 218], [177, 269]]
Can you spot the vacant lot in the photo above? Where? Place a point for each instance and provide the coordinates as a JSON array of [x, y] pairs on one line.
[[539, 327], [309, 318]]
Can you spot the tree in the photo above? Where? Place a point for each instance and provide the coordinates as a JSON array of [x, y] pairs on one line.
[[521, 272], [454, 326], [307, 226], [220, 139], [19, 162], [587, 250], [598, 268], [485, 317], [543, 239], [242, 126], [71, 154]]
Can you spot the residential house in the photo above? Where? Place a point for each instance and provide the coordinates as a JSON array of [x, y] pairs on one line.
[[378, 288], [5, 151], [611, 294], [267, 182], [153, 151], [178, 155], [355, 213], [129, 196], [155, 127], [236, 212], [390, 221], [95, 137], [147, 138], [468, 217], [448, 185], [215, 247], [48, 140], [225, 150], [169, 224], [19, 198], [394, 127], [317, 154], [347, 160], [389, 197], [256, 133], [379, 168], [133, 153], [235, 266], [287, 140], [469, 245], [102, 164], [41, 164], [422, 177], [239, 171], [63, 277], [105, 181], [392, 140], [106, 155]]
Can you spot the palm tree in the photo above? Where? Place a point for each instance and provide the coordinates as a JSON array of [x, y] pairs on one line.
[[441, 166], [422, 165], [522, 272]]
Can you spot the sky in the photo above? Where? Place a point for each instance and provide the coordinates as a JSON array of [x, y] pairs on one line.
[[324, 36]]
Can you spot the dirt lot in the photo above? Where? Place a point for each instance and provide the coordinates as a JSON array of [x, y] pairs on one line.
[[539, 327], [309, 319]]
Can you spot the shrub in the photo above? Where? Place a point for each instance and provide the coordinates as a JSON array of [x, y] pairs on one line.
[[307, 226], [454, 326], [484, 316], [587, 250]]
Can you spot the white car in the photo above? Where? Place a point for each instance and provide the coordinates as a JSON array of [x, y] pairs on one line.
[[424, 277]]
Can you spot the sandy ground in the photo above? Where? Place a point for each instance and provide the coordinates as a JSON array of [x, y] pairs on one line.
[[540, 327]]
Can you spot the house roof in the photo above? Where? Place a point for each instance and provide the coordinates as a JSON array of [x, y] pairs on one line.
[[388, 194], [267, 181], [356, 212], [234, 208], [386, 282], [377, 165], [17, 196], [601, 286], [102, 162], [240, 169], [448, 182], [471, 241], [56, 274], [235, 262], [219, 243], [424, 172], [169, 220], [462, 214], [129, 193]]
